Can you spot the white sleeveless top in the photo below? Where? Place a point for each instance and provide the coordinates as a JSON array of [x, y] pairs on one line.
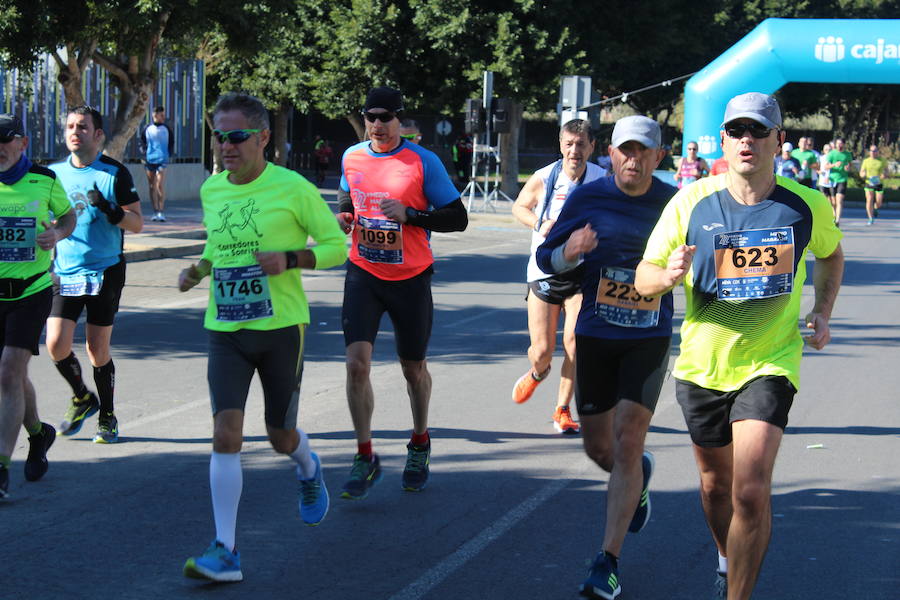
[[561, 190]]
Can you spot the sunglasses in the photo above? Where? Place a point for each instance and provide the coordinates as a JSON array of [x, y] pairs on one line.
[[385, 117], [692, 148], [757, 130], [235, 136], [5, 139], [410, 136]]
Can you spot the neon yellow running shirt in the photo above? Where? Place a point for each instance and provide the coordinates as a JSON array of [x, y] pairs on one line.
[[277, 211], [37, 197], [744, 287]]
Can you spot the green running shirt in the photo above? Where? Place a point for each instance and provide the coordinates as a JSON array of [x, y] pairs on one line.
[[744, 287], [278, 211]]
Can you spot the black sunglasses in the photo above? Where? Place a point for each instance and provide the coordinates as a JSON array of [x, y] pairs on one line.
[[5, 139], [757, 130], [235, 136], [385, 117]]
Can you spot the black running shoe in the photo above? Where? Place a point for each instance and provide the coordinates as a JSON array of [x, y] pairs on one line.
[[38, 444], [363, 475], [642, 512], [79, 410], [4, 482], [415, 475]]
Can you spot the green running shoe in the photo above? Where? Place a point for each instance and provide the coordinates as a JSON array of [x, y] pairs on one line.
[[107, 429], [79, 410]]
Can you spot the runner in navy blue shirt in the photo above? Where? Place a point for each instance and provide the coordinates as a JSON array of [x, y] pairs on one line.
[[622, 339]]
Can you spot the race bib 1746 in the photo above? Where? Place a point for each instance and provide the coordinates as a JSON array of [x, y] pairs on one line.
[[241, 293]]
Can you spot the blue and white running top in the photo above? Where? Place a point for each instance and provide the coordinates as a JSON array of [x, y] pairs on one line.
[[95, 244]]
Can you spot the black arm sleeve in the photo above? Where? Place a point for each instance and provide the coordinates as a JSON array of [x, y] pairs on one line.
[[345, 204], [452, 217]]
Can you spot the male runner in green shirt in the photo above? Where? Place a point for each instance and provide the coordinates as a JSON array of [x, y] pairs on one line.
[[258, 217], [28, 193], [738, 242]]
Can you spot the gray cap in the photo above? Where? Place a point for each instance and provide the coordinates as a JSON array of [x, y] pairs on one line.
[[762, 108], [637, 129], [11, 125]]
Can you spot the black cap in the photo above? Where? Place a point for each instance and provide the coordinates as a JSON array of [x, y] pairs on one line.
[[384, 97], [11, 125]]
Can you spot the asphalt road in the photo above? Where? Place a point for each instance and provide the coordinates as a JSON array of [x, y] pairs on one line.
[[513, 510]]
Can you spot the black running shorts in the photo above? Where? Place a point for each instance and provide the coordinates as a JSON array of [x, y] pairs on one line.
[[558, 288], [607, 371], [408, 303], [277, 355], [22, 320], [839, 187], [710, 413], [102, 308]]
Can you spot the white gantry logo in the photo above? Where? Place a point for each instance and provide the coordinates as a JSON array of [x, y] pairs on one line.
[[708, 144], [830, 49]]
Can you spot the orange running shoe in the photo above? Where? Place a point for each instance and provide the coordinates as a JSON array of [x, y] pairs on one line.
[[525, 386], [563, 423]]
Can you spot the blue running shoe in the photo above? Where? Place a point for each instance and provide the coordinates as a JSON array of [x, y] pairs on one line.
[[216, 564], [363, 475], [642, 512], [313, 496], [603, 579], [720, 589], [79, 410]]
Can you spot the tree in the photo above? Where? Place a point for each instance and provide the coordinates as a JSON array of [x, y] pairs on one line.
[[121, 37]]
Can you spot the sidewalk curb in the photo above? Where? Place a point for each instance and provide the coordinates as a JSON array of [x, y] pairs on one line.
[[141, 247]]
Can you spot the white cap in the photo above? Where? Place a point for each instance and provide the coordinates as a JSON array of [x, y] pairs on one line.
[[787, 147], [638, 129]]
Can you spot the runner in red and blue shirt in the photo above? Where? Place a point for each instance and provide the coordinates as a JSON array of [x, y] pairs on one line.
[[393, 193]]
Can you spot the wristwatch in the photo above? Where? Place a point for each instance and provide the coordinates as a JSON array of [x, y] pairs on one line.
[[411, 214]]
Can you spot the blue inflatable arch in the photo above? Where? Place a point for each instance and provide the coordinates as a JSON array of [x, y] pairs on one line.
[[780, 51]]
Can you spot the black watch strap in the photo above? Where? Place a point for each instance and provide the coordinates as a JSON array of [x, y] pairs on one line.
[[291, 259]]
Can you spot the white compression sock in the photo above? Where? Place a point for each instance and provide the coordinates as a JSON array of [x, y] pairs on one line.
[[306, 466], [226, 480], [723, 564]]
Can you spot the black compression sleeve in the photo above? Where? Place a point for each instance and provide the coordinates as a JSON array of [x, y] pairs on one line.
[[452, 217], [345, 204]]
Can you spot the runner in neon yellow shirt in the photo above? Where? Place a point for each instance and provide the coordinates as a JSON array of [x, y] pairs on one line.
[[738, 242], [30, 198], [258, 217], [873, 171]]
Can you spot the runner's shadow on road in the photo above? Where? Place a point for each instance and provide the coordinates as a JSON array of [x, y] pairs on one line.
[[472, 435], [849, 430]]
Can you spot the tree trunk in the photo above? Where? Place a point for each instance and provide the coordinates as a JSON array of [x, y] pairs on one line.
[[134, 96], [509, 153], [358, 126], [279, 133], [71, 70]]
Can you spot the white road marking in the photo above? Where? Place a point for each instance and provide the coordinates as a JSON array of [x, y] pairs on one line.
[[421, 586]]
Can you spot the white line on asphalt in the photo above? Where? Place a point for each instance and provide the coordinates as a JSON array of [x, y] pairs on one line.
[[133, 425], [470, 549], [472, 318]]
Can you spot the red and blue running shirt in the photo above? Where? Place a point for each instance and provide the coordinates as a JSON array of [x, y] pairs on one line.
[[411, 174]]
